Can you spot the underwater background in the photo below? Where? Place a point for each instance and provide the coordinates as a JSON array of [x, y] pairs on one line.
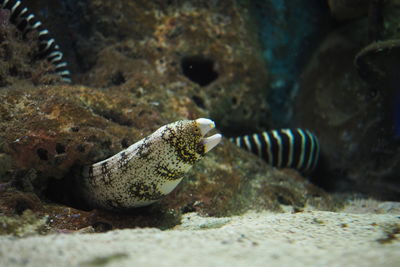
[[328, 66]]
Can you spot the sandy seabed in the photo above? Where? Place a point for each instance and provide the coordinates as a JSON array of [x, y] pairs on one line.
[[308, 238]]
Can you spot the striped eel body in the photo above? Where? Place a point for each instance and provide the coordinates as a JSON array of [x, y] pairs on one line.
[[283, 148], [26, 22], [149, 169]]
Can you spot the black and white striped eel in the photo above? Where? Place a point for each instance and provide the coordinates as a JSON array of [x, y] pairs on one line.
[[26, 22], [149, 169], [290, 148]]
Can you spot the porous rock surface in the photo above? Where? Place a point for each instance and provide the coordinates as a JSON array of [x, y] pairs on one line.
[[207, 51]]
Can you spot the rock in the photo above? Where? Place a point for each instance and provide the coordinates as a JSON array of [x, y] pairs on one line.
[[369, 206], [348, 9], [19, 62], [24, 225], [391, 15], [377, 64], [209, 52], [353, 120]]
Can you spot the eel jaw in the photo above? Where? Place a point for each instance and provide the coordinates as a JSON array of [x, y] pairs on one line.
[[205, 126], [210, 142]]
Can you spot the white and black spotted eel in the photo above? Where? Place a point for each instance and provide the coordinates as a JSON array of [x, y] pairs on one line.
[[26, 22], [149, 169], [291, 148]]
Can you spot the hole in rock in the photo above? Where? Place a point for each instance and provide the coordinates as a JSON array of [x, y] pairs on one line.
[[234, 100], [283, 200], [67, 190], [198, 101], [74, 129], [42, 153], [21, 206], [60, 149], [80, 148], [188, 208], [124, 143], [101, 227], [199, 70], [118, 78], [106, 144], [13, 71]]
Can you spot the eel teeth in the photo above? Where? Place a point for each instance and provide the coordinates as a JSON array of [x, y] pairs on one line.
[[210, 142], [206, 125]]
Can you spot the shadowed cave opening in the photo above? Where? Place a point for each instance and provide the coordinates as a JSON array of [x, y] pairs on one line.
[[199, 69], [66, 193]]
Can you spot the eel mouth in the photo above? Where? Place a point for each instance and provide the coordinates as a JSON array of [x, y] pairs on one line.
[[205, 125]]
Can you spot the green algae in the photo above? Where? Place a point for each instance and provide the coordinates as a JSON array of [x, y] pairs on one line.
[[23, 225]]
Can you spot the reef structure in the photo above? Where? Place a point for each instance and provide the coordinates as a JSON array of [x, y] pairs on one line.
[[26, 22], [149, 169]]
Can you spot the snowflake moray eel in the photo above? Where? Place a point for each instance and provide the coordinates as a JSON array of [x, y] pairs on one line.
[[290, 148], [26, 22], [149, 169]]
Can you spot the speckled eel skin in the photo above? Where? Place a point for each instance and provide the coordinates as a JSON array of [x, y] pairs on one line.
[[149, 169]]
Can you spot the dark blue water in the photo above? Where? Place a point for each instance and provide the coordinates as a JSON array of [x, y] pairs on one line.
[[289, 32]]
